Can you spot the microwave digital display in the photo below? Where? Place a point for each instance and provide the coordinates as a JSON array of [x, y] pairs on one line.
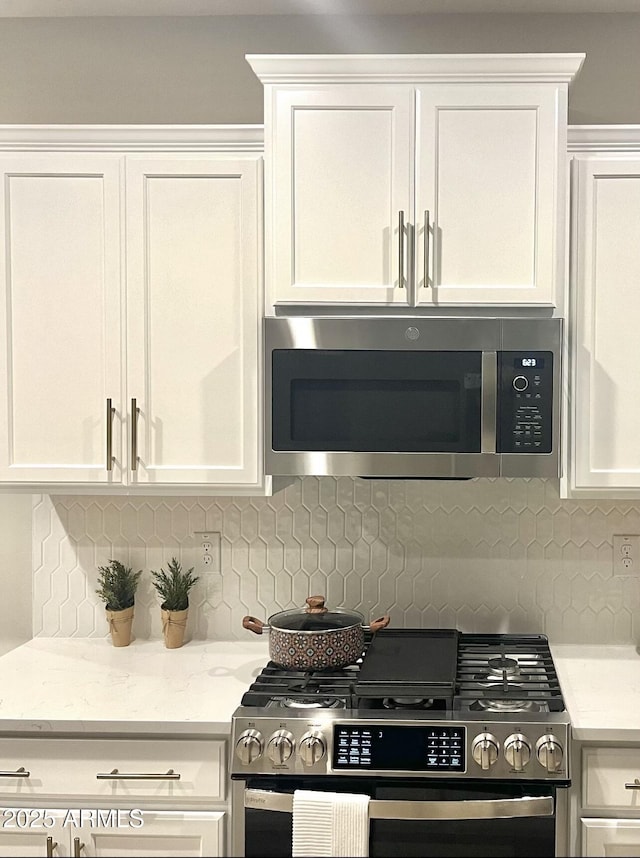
[[529, 363]]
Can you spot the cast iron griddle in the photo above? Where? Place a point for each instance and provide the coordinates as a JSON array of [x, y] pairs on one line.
[[409, 663]]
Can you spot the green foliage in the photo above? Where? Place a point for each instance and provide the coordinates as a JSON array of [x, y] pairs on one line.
[[117, 585], [173, 586]]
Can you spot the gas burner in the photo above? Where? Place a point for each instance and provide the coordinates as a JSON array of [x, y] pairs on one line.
[[502, 667], [311, 703], [407, 702], [505, 705]]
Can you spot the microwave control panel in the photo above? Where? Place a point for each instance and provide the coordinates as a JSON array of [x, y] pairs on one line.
[[525, 396]]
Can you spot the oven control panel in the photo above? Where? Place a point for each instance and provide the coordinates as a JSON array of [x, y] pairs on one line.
[[325, 744], [389, 748]]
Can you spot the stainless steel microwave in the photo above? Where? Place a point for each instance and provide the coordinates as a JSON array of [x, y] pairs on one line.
[[413, 396]]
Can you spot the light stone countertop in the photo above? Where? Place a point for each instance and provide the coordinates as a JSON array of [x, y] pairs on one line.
[[86, 685], [601, 690]]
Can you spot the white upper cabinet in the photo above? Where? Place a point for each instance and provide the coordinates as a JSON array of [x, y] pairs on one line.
[[415, 180], [60, 285], [193, 247], [605, 317], [131, 310]]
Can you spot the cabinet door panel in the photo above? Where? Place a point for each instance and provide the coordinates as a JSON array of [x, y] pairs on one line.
[[606, 307], [488, 162], [341, 173], [164, 834], [60, 316], [193, 265], [613, 838]]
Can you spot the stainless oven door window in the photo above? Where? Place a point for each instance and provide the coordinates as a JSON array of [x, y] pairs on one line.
[[452, 821]]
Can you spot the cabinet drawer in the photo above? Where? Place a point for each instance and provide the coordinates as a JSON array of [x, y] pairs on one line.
[[605, 771], [70, 768]]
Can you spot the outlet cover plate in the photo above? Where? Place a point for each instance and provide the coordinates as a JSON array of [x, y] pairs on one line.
[[626, 554]]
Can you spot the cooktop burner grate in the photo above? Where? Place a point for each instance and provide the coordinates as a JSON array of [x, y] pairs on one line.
[[507, 673], [441, 668]]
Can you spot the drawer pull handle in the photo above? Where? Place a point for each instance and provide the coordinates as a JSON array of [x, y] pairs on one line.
[[50, 847], [115, 775], [77, 847], [19, 773], [634, 785]]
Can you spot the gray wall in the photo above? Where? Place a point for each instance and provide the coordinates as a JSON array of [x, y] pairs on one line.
[[192, 70]]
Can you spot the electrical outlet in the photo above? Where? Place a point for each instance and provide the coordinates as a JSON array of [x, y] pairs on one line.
[[626, 554], [206, 553]]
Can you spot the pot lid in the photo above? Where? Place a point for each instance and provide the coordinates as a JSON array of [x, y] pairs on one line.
[[315, 618]]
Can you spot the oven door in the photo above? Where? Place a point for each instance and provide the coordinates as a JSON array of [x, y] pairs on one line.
[[410, 818]]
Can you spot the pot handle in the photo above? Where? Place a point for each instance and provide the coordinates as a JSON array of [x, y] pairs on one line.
[[380, 623], [253, 624]]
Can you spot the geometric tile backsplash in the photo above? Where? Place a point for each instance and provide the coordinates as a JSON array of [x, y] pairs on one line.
[[481, 555]]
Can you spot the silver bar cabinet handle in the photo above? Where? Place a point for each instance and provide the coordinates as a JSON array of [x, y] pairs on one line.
[[134, 434], [489, 402], [110, 411], [19, 773], [77, 847], [50, 847], [634, 785], [115, 775], [426, 248], [401, 250], [507, 808]]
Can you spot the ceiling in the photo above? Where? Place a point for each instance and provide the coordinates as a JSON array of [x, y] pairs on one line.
[[86, 8]]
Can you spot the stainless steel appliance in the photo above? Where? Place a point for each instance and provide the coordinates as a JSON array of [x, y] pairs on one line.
[[413, 397], [461, 741]]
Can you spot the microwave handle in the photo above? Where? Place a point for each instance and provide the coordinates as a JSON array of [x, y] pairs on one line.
[[489, 403], [504, 808]]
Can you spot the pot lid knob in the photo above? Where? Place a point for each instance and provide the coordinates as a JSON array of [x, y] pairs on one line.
[[316, 605]]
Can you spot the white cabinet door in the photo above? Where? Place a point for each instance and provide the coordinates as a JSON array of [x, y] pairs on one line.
[[489, 158], [340, 175], [193, 251], [33, 831], [613, 838], [163, 834], [605, 413], [60, 320]]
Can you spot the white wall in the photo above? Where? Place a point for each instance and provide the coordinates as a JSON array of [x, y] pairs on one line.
[[15, 570], [192, 70]]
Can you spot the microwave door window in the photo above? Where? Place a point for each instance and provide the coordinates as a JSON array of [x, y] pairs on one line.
[[368, 401]]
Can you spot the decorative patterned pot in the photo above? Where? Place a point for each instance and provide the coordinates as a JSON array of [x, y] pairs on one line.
[[315, 638]]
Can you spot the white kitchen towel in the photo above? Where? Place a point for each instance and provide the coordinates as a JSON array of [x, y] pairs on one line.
[[328, 824]]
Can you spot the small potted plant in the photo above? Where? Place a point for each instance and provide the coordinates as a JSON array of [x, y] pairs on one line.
[[117, 586], [173, 588]]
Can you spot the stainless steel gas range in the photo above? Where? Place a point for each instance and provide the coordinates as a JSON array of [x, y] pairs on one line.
[[460, 740]]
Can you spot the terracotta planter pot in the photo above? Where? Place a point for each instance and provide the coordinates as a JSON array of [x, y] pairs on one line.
[[120, 623], [174, 624]]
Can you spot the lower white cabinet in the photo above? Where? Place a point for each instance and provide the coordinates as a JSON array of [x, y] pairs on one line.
[[61, 832], [609, 801], [112, 797], [615, 838]]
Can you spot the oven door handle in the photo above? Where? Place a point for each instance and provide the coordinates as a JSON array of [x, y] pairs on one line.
[[503, 808]]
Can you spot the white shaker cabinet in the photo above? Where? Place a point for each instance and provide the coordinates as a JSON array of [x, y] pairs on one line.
[[60, 318], [193, 243], [605, 317], [131, 309], [424, 181]]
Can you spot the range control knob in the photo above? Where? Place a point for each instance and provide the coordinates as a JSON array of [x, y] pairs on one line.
[[484, 750], [549, 753], [520, 383], [517, 751], [249, 746], [312, 748], [280, 747]]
